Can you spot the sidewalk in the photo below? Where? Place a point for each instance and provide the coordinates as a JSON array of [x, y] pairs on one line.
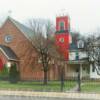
[[71, 95]]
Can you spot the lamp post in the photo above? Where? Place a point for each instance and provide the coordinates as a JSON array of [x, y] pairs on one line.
[[61, 65], [80, 46], [62, 76]]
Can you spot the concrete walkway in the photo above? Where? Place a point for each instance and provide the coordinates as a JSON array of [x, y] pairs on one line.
[[71, 95], [74, 89]]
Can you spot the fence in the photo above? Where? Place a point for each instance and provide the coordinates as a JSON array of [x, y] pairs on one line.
[[74, 84]]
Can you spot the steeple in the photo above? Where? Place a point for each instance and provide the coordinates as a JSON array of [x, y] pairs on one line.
[[62, 24], [62, 35]]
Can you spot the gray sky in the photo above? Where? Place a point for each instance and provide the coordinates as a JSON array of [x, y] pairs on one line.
[[84, 14]]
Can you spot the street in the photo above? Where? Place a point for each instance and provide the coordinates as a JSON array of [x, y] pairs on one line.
[[35, 98], [31, 95]]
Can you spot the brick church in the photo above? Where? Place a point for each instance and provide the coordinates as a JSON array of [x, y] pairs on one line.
[[15, 47]]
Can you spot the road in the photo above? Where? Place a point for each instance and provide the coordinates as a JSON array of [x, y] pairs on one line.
[[34, 98], [33, 95]]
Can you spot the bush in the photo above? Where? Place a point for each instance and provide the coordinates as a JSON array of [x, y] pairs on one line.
[[13, 74], [4, 73]]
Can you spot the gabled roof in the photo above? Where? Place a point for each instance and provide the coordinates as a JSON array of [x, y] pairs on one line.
[[8, 52], [75, 39], [24, 29]]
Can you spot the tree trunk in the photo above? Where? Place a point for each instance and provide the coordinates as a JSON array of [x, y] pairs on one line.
[[45, 77], [45, 68]]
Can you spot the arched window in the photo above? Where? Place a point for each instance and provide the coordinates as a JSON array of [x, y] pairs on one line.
[[61, 24], [80, 44]]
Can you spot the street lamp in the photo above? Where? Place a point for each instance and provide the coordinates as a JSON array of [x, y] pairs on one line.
[[80, 45]]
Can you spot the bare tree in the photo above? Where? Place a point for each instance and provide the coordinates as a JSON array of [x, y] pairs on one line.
[[60, 61], [43, 31], [44, 42], [93, 51]]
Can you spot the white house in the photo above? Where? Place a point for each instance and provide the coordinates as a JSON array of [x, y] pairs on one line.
[[79, 57]]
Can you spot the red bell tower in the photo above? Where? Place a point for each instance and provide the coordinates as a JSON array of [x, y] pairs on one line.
[[62, 34]]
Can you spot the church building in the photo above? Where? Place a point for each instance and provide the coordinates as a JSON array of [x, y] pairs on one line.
[[16, 47]]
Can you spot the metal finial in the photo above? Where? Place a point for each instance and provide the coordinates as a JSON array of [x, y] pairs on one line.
[[9, 12]]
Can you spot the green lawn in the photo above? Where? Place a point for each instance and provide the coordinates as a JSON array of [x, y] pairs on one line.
[[37, 86], [91, 87]]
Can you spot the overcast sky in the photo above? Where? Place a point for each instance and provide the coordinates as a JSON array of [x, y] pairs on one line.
[[84, 14]]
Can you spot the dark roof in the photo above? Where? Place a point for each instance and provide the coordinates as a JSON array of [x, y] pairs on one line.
[[24, 29], [8, 52]]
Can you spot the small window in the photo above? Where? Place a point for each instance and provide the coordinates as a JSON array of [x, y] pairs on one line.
[[8, 38], [61, 25], [61, 40]]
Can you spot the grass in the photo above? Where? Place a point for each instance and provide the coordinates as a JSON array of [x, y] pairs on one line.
[[37, 86], [91, 87]]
